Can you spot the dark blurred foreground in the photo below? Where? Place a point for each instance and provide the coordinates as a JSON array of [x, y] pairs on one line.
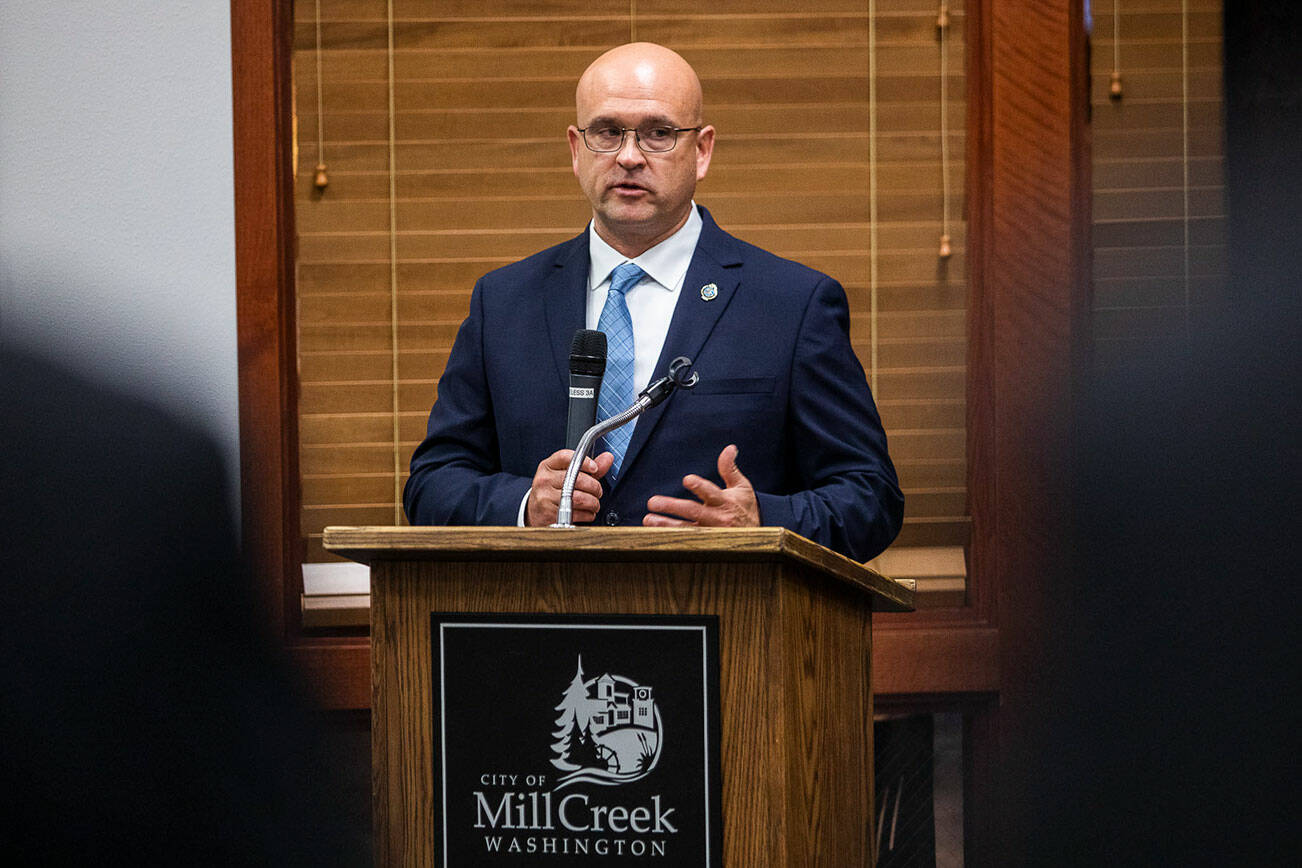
[[1170, 731], [146, 717]]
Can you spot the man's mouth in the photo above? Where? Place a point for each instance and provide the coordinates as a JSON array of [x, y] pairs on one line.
[[628, 187]]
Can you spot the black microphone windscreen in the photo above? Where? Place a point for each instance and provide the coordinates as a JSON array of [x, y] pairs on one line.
[[588, 353]]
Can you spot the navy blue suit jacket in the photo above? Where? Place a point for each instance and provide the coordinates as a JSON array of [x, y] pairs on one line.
[[778, 377]]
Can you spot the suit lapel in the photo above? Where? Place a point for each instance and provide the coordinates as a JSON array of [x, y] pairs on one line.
[[717, 261], [565, 301]]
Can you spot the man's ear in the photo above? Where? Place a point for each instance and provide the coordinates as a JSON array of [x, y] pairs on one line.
[[704, 151], [576, 142]]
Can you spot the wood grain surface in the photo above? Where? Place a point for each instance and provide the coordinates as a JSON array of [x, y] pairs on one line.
[[370, 545], [796, 709]]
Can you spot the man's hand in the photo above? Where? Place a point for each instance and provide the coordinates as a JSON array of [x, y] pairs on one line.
[[545, 493], [733, 506]]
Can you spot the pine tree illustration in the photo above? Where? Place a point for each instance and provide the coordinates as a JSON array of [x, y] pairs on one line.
[[586, 753], [574, 753], [573, 716]]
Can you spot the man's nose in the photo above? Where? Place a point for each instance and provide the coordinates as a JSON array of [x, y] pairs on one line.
[[630, 156]]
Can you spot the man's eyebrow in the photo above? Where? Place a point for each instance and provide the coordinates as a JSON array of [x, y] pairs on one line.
[[653, 121]]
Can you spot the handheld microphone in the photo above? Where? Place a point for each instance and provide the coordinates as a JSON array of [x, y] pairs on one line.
[[587, 367]]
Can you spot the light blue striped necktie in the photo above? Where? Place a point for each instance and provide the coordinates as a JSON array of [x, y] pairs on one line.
[[617, 385]]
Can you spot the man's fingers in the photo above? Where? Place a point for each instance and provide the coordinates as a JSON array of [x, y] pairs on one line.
[[714, 505], [584, 482], [545, 493], [688, 509], [702, 488], [729, 472], [585, 504], [652, 519], [558, 460]]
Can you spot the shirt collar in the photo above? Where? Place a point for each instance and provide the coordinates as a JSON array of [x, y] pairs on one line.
[[666, 263]]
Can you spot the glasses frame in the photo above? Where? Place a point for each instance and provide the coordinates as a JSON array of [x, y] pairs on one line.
[[637, 139]]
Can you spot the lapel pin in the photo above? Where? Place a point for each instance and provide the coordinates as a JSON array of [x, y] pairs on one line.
[[709, 292]]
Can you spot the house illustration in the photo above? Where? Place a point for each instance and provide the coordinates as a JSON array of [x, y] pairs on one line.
[[613, 707]]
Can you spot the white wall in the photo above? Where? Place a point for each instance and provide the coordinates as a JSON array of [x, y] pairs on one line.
[[117, 242]]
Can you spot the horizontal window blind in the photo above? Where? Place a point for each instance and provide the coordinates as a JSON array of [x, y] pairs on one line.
[[441, 126], [1159, 199]]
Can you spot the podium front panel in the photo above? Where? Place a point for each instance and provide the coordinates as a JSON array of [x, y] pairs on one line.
[[796, 706]]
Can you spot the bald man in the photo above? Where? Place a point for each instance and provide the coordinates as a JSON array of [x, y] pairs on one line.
[[781, 390]]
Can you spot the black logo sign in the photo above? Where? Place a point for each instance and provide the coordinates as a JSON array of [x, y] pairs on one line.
[[576, 740]]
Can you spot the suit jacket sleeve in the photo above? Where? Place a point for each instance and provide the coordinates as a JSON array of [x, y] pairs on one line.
[[845, 492], [456, 473]]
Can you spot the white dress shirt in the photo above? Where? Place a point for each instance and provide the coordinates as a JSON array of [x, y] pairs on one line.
[[650, 302]]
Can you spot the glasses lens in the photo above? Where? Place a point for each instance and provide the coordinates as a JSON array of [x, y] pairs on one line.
[[605, 138], [657, 138]]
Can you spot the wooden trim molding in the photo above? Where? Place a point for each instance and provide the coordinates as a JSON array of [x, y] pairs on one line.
[[941, 660], [1033, 194], [336, 668], [337, 673], [264, 287]]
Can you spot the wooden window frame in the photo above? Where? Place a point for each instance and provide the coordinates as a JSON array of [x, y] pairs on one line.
[[1028, 223]]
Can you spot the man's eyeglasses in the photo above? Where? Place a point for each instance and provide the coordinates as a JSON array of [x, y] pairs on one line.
[[653, 139]]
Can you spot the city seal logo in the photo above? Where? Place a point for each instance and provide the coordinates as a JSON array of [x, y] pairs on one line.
[[609, 731], [548, 740]]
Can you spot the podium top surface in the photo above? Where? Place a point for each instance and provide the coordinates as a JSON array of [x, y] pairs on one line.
[[373, 544]]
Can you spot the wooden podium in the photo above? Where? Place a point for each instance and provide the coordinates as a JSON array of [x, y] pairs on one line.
[[794, 658]]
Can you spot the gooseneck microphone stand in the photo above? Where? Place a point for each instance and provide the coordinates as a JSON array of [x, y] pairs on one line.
[[680, 376]]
